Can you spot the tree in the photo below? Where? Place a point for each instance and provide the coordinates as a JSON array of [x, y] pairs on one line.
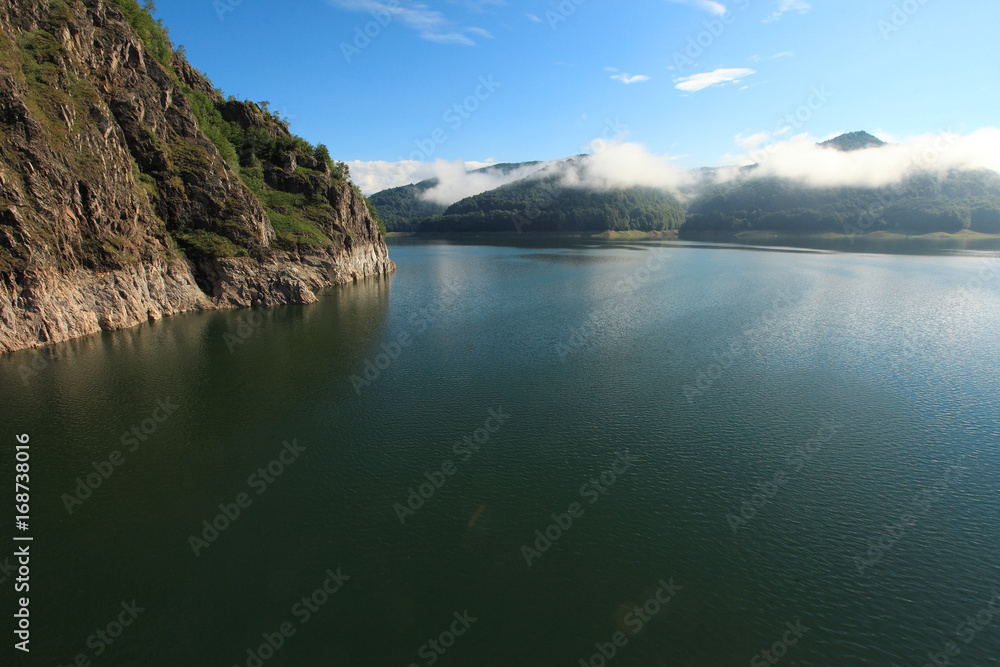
[[986, 219], [341, 170], [322, 154]]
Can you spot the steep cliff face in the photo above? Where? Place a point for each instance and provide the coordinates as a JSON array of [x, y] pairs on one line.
[[117, 207]]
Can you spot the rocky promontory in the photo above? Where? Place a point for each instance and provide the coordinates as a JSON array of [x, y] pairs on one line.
[[131, 189]]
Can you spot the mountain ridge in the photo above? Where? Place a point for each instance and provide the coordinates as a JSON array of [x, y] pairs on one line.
[[713, 207], [853, 141], [403, 207], [543, 202]]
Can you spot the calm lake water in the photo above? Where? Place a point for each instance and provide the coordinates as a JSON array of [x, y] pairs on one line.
[[747, 451]]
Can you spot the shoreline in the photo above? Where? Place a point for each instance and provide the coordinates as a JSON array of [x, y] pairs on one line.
[[880, 242], [606, 235]]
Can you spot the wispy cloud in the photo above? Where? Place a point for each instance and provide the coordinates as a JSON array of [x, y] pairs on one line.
[[711, 6], [447, 38], [628, 79], [431, 24], [719, 77], [617, 164], [376, 175], [776, 56], [532, 17], [480, 31], [785, 6], [799, 158], [456, 181]]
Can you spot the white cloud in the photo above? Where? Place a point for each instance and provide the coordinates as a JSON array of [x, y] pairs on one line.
[[785, 6], [716, 8], [376, 175], [800, 158], [629, 78], [431, 24], [532, 17], [448, 38], [481, 32], [618, 164], [797, 158], [776, 56], [721, 76], [456, 180], [612, 164], [753, 141]]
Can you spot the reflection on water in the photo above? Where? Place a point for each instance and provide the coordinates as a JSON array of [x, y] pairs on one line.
[[899, 351], [879, 243]]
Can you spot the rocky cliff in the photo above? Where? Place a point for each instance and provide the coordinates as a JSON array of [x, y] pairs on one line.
[[130, 189]]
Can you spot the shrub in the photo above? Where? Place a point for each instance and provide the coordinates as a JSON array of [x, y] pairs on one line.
[[200, 243], [151, 31], [322, 154]]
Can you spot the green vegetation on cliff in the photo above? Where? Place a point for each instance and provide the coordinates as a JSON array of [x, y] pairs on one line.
[[59, 112], [154, 35], [53, 93], [258, 147], [118, 158]]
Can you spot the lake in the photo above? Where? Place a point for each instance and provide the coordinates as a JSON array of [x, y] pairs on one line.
[[562, 453]]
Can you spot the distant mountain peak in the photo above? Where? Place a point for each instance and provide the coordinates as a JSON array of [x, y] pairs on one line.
[[853, 141]]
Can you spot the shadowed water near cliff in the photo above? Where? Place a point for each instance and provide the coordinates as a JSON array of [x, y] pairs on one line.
[[812, 437]]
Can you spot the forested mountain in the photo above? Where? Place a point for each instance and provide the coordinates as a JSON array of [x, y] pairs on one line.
[[543, 204], [402, 208], [922, 203]]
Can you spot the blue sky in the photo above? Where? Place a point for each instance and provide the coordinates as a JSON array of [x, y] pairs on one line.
[[551, 76]]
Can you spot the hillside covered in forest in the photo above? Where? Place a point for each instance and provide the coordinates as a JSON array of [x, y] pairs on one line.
[[920, 204], [403, 208], [713, 203]]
